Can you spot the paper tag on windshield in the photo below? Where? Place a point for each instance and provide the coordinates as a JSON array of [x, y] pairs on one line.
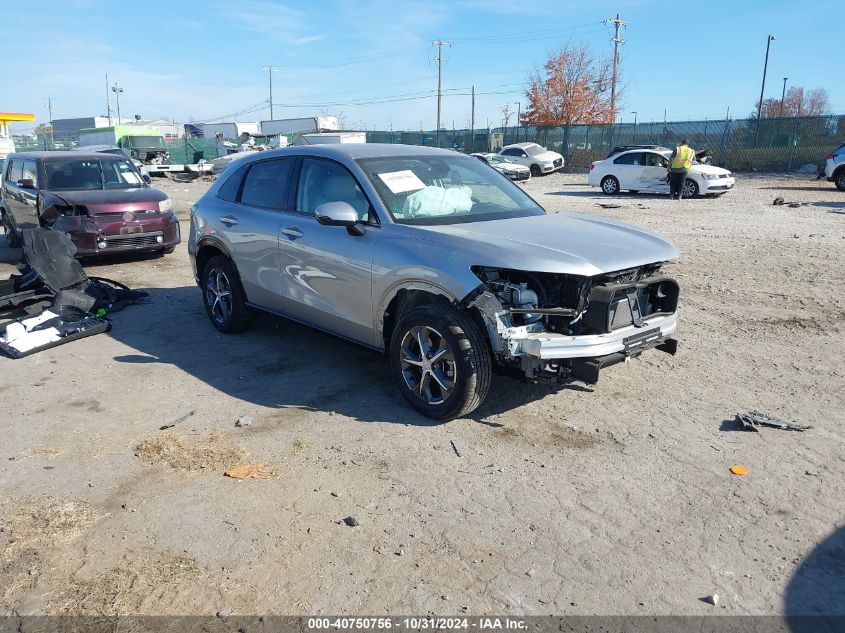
[[402, 181]]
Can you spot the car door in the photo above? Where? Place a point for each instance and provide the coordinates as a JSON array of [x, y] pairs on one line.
[[327, 270], [247, 218], [628, 169], [14, 196], [654, 172]]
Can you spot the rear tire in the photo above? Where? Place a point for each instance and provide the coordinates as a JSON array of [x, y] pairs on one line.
[[440, 361], [223, 296], [610, 185], [839, 180], [13, 240]]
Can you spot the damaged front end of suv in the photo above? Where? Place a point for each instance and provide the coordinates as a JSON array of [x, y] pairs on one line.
[[561, 327]]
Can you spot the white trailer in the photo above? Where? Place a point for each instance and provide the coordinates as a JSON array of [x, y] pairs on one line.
[[300, 126], [337, 137], [229, 130]]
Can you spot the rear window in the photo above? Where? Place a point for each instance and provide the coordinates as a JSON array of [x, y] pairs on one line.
[[229, 190], [631, 158]]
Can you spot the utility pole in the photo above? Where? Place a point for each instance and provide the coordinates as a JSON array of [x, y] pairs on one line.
[[439, 44], [270, 70], [617, 23], [108, 101], [762, 89], [472, 122], [50, 110], [518, 113], [783, 96], [117, 90]]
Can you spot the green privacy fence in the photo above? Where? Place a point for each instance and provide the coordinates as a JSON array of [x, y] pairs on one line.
[[782, 144]]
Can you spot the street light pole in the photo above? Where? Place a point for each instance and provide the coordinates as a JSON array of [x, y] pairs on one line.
[[518, 111], [117, 90], [783, 96], [769, 41], [634, 133]]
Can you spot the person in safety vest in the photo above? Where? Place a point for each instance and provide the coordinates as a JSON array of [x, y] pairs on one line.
[[681, 163]]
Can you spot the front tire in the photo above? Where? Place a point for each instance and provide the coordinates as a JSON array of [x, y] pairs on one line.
[[535, 171], [690, 189], [13, 240], [440, 362], [224, 297], [840, 180], [610, 185]]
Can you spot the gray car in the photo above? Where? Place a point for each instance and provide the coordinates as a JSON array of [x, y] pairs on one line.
[[433, 258]]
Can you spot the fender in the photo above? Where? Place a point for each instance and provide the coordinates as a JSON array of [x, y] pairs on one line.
[[408, 284]]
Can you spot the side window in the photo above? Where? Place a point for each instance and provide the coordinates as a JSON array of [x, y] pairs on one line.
[[30, 170], [509, 152], [266, 184], [655, 160], [631, 158], [229, 190], [322, 181], [15, 172]]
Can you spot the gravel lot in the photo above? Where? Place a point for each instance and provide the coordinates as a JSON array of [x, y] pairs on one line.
[[608, 500]]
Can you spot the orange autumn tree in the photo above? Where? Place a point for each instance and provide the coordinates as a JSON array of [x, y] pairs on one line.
[[572, 88]]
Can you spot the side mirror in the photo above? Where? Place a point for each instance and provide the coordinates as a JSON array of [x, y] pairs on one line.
[[26, 183], [337, 214]]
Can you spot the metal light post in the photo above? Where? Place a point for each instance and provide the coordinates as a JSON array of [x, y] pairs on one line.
[[634, 133], [518, 124], [117, 90], [762, 89], [783, 96]]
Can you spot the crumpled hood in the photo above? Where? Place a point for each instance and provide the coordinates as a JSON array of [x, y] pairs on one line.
[[560, 243]]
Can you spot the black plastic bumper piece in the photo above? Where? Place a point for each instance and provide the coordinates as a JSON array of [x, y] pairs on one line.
[[587, 369]]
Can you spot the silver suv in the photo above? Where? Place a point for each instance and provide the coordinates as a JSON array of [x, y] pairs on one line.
[[434, 258]]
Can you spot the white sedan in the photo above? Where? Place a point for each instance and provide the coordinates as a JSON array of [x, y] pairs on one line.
[[647, 170], [538, 159]]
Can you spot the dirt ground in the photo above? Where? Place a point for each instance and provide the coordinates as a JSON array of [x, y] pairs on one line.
[[608, 500]]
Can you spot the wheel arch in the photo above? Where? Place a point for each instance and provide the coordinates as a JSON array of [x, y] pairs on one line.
[[207, 248], [404, 297]]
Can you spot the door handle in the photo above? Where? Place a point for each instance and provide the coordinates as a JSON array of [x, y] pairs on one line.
[[229, 220], [292, 232]]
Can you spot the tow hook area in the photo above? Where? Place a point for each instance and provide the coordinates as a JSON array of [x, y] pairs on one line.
[[587, 369]]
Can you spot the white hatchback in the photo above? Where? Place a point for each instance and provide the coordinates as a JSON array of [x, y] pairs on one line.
[[648, 169]]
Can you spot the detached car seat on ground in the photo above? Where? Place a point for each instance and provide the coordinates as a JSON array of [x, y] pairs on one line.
[[53, 301]]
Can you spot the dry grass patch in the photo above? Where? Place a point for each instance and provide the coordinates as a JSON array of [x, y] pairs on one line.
[[188, 453], [48, 519]]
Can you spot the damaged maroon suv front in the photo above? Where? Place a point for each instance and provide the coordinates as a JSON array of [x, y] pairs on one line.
[[101, 202]]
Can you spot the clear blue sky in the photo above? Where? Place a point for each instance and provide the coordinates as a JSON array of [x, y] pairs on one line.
[[200, 60]]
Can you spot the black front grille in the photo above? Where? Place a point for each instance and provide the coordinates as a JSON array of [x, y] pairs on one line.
[[133, 240], [620, 314], [558, 162]]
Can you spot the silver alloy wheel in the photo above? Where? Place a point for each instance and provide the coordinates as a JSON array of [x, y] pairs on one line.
[[428, 364], [690, 188], [218, 295], [609, 185]]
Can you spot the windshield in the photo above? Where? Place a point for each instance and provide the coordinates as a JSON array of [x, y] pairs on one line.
[[535, 150], [154, 142], [85, 175], [445, 190]]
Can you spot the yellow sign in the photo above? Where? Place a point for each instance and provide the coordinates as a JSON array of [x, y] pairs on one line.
[[16, 116]]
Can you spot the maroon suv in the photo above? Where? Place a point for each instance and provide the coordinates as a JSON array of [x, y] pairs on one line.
[[101, 201]]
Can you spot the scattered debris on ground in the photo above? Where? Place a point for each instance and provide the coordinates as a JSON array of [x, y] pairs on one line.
[[352, 521], [244, 421], [181, 418], [250, 471], [456, 447], [753, 420], [738, 470]]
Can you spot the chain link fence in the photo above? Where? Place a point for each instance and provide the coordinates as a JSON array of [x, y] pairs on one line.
[[782, 144], [778, 144]]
